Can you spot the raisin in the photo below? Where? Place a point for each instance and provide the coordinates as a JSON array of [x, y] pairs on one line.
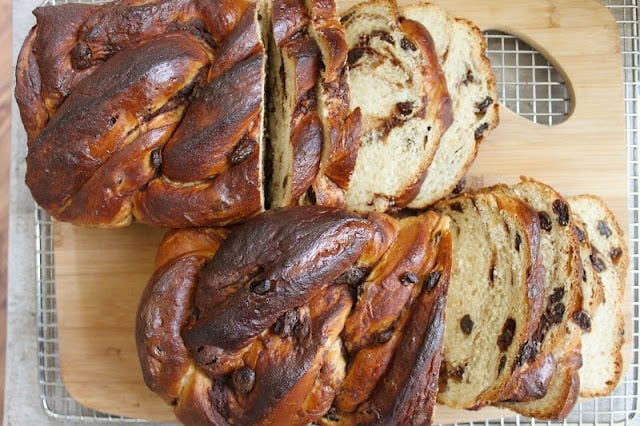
[[483, 106], [385, 336], [261, 287], [355, 54], [405, 108], [545, 221], [81, 56], [615, 254], [384, 36], [242, 151], [407, 44], [432, 280], [506, 337], [597, 262], [457, 207], [409, 278], [286, 323], [561, 209], [557, 295], [331, 415], [244, 379], [156, 158], [604, 229], [352, 277], [503, 363], [518, 241], [468, 78], [466, 324], [583, 320], [480, 130], [580, 235]]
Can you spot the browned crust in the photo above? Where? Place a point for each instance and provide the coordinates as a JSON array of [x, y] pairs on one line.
[[105, 113], [215, 202], [381, 300], [282, 362], [101, 121], [215, 121]]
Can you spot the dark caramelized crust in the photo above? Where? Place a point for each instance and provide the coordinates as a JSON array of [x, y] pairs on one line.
[[312, 248], [215, 202], [374, 329], [106, 112], [192, 154], [52, 49], [407, 392], [145, 110], [257, 325]]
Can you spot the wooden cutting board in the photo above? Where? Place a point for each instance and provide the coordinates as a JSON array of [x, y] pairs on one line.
[[101, 273]]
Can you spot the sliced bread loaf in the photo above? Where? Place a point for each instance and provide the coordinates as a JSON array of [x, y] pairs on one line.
[[607, 264], [397, 82], [494, 297], [461, 51]]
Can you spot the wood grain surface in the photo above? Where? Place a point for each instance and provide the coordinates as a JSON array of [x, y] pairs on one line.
[[100, 274], [5, 147]]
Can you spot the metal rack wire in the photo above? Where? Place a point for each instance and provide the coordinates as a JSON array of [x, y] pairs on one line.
[[528, 85]]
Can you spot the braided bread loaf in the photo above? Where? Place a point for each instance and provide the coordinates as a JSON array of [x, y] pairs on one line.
[[304, 314]]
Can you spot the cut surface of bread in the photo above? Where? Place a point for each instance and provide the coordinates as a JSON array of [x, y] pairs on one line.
[[557, 335], [494, 295], [461, 51], [396, 81], [608, 261]]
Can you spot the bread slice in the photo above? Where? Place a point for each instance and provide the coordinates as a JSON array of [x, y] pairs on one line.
[[341, 127], [294, 125], [607, 263], [461, 51], [397, 82], [495, 295], [558, 336]]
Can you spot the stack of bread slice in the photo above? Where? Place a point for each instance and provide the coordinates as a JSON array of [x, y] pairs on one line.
[[527, 306]]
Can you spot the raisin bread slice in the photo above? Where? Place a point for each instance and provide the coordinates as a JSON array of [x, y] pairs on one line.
[[397, 82], [461, 50], [495, 295], [558, 336], [608, 261]]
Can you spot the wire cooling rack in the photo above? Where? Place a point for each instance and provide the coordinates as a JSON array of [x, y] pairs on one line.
[[529, 86]]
